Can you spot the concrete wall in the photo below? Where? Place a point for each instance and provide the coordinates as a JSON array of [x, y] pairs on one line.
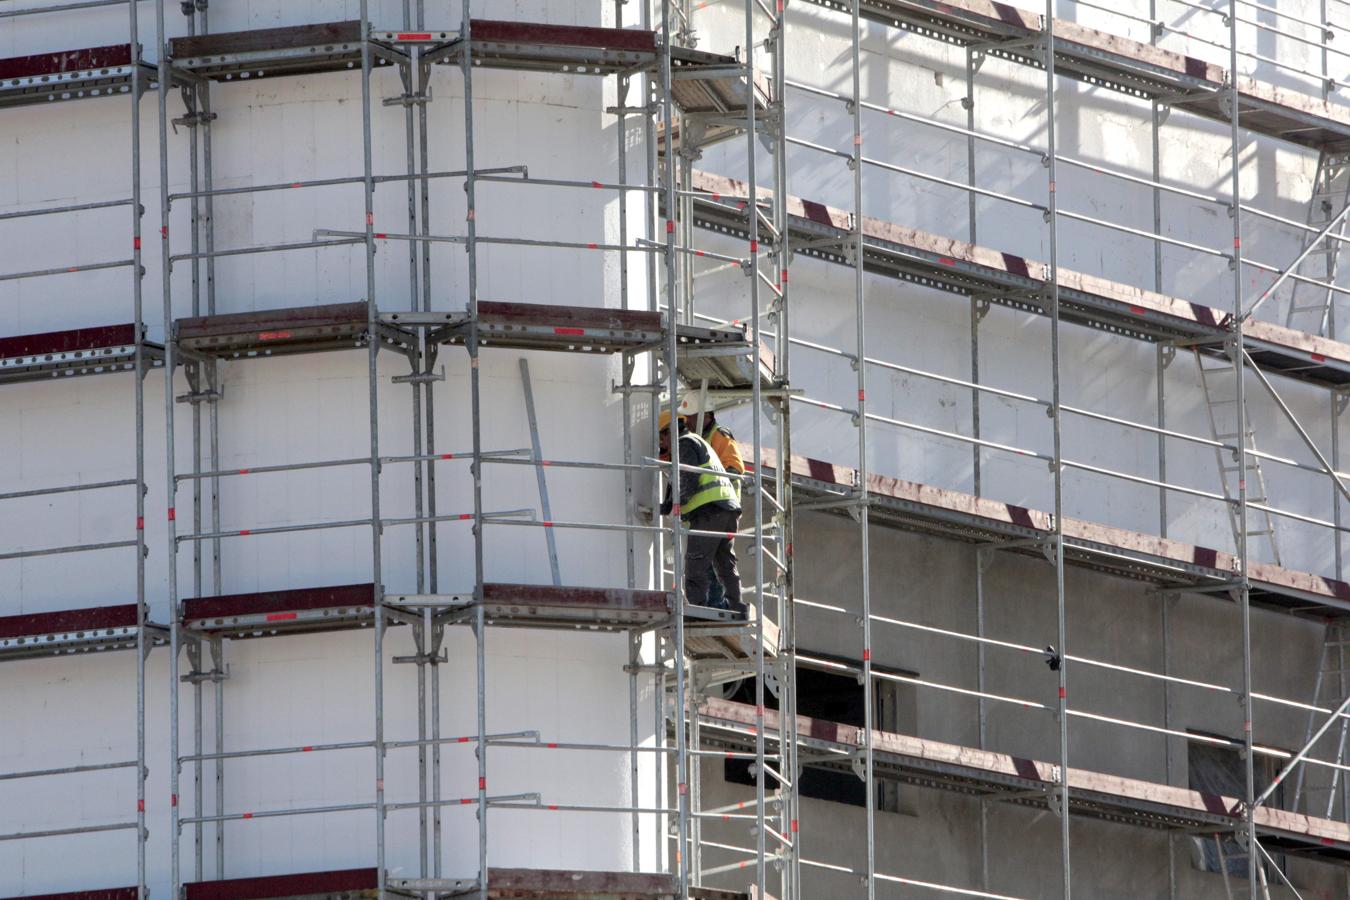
[[312, 689]]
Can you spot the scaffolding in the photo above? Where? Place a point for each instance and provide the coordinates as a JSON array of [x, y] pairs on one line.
[[683, 100], [115, 71], [675, 356]]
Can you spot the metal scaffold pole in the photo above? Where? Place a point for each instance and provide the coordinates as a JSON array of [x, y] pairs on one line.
[[860, 421], [680, 714], [475, 400], [1237, 351], [170, 481], [779, 319], [1056, 413], [372, 386], [757, 486], [138, 376]]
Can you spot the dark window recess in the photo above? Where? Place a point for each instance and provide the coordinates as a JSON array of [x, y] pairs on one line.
[[836, 698], [1219, 769]]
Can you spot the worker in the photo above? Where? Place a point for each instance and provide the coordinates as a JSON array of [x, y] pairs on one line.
[[708, 503], [728, 453]]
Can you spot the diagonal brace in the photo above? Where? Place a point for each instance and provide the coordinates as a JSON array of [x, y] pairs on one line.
[[1289, 414], [1301, 754], [1289, 270]]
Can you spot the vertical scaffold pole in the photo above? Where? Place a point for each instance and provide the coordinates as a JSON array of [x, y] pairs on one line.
[[860, 305], [138, 322], [194, 649], [623, 88], [680, 713], [475, 400], [1239, 374], [170, 481], [1057, 540], [787, 627], [372, 387], [752, 190]]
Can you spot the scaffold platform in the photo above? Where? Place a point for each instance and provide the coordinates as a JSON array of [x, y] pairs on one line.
[[77, 74], [271, 613], [80, 351], [1017, 779], [71, 631], [1010, 280]]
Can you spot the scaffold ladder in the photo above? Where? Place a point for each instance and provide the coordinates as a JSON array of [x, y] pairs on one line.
[[1319, 799], [1310, 305], [1217, 380]]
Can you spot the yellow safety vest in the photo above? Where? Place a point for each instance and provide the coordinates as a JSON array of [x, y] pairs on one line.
[[713, 483]]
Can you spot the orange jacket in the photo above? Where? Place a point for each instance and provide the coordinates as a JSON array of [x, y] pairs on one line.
[[728, 451]]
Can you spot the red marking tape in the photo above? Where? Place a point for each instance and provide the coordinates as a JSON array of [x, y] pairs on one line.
[[447, 456], [413, 36], [306, 749], [1317, 357], [1137, 310], [754, 246], [551, 746], [282, 617], [578, 331], [592, 247], [1062, 694], [136, 243], [140, 806], [274, 335], [670, 226], [464, 516], [245, 533], [482, 784], [172, 514], [548, 524], [596, 184], [140, 523], [173, 799], [946, 260], [247, 815], [867, 654]]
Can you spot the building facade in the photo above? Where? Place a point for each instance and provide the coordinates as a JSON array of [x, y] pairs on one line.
[[332, 335]]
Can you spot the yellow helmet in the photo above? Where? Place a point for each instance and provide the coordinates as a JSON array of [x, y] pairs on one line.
[[663, 420]]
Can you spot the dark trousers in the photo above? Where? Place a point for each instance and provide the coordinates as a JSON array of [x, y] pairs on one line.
[[709, 555]]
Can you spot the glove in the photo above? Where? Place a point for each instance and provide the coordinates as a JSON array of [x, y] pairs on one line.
[[666, 507]]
